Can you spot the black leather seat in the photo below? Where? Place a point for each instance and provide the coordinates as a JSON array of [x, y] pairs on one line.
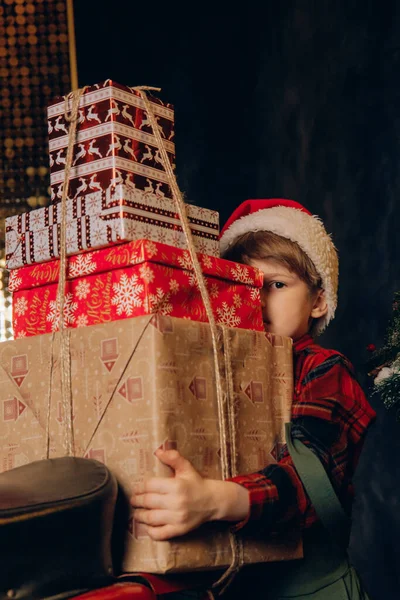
[[56, 519]]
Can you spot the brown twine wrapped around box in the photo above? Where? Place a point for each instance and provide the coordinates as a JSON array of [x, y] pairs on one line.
[[224, 408], [71, 116], [227, 430]]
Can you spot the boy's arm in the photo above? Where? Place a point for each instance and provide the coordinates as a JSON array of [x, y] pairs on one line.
[[330, 414]]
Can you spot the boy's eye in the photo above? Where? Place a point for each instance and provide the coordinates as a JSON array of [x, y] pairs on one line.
[[278, 285]]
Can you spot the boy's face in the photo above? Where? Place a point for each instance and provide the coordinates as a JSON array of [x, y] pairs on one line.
[[287, 302]]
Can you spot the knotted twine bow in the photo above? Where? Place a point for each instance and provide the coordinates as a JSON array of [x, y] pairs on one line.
[[227, 430]]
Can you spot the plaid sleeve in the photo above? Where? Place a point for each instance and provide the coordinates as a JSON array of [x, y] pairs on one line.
[[331, 415]]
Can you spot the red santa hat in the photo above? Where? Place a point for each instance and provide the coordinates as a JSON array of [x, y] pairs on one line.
[[290, 220]]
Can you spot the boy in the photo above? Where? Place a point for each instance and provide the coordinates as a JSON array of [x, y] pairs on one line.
[[330, 413]]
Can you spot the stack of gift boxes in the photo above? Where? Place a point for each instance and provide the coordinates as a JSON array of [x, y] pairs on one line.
[[141, 351]]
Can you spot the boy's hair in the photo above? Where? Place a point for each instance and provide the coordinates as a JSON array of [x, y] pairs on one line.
[[265, 244]]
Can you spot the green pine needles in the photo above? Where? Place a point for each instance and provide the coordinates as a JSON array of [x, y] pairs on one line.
[[384, 364], [388, 389]]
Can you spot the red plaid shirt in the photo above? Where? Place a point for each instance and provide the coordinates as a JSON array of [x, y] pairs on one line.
[[331, 415]]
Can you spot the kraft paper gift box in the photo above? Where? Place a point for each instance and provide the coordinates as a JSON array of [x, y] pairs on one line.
[[134, 279], [115, 142], [146, 383], [102, 219]]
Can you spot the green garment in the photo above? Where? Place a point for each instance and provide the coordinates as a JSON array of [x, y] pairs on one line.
[[325, 572]]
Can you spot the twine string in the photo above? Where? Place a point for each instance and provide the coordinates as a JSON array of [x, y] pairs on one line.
[[48, 400], [226, 421], [215, 335], [236, 542], [232, 407], [71, 116]]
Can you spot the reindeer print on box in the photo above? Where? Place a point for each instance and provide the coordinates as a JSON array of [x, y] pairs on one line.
[[115, 142]]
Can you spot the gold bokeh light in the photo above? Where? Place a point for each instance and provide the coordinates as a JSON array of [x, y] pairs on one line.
[[34, 68]]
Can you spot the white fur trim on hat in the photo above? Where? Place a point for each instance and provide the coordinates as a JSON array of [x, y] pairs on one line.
[[308, 232]]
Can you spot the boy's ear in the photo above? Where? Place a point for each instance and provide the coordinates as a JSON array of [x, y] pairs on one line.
[[320, 306]]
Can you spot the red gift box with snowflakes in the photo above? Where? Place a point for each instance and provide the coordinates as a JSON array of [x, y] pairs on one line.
[[115, 142], [134, 279], [104, 218]]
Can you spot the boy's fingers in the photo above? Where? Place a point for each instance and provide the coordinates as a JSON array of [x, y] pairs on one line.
[[150, 501], [165, 532], [155, 518], [158, 485]]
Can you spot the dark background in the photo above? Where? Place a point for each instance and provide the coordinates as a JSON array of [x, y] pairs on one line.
[[293, 99]]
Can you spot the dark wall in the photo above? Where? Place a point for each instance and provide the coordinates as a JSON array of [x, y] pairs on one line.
[[299, 100]]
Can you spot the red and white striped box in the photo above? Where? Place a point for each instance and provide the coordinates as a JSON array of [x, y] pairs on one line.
[[115, 142], [103, 219]]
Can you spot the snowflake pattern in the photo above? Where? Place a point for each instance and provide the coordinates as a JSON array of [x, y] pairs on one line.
[[14, 281], [151, 249], [147, 232], [82, 289], [214, 290], [173, 286], [203, 246], [255, 294], [158, 302], [54, 312], [146, 273], [36, 220], [71, 238], [83, 264], [21, 306], [176, 239], [82, 321], [207, 261], [237, 301], [129, 229], [185, 262], [41, 249], [162, 236], [98, 234], [202, 213], [241, 273], [226, 315], [93, 204], [127, 294]]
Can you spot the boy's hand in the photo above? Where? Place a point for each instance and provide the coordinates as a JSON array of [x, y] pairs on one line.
[[173, 506]]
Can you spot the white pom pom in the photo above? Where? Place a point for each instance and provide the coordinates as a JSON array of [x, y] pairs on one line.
[[383, 374]]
